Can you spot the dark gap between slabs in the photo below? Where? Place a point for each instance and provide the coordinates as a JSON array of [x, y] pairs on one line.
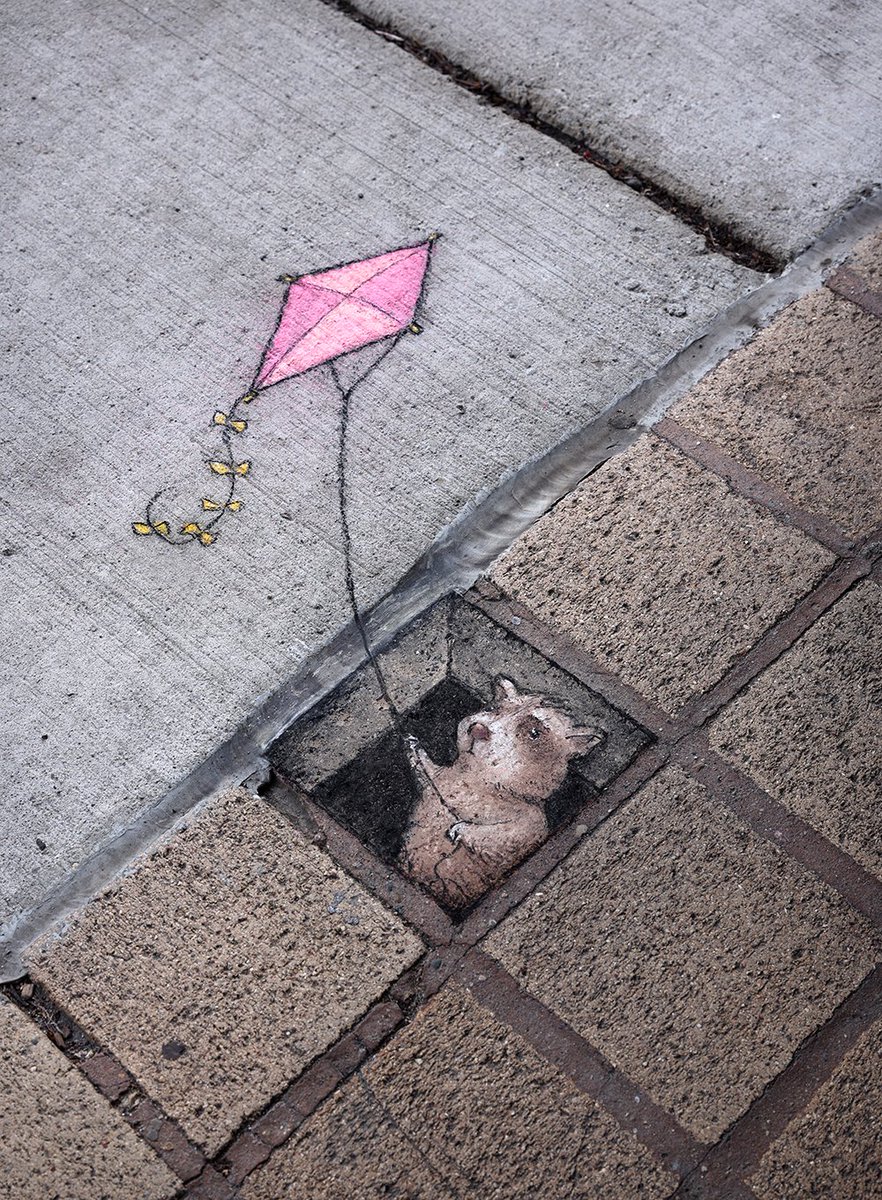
[[719, 238]]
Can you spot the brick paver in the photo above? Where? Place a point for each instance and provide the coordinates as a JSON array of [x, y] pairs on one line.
[[695, 955], [459, 1105], [656, 569], [866, 261], [807, 730], [59, 1138], [835, 1147], [228, 960], [801, 405]]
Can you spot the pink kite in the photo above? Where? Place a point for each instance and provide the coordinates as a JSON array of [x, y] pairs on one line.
[[324, 316]]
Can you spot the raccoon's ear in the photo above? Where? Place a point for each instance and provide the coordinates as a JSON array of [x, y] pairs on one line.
[[504, 689]]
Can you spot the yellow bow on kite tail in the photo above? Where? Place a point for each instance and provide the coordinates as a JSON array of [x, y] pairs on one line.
[[226, 465]]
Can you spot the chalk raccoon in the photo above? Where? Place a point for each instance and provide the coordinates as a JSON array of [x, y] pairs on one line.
[[476, 819]]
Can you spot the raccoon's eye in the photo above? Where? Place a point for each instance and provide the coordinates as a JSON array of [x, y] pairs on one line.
[[535, 732]]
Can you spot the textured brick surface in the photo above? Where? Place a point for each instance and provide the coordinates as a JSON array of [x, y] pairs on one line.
[[221, 967], [834, 1148], [660, 572], [458, 1105], [59, 1137], [809, 729], [866, 260], [693, 954], [801, 405]]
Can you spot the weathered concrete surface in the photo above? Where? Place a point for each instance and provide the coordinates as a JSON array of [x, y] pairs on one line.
[[225, 964], [163, 167], [809, 729], [459, 1105], [658, 570], [60, 1138], [801, 405], [834, 1148], [766, 117], [695, 955]]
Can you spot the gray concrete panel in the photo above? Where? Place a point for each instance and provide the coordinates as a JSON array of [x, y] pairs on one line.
[[162, 168], [767, 116]]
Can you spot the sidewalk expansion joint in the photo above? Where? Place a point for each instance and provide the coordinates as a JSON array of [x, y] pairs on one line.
[[718, 238]]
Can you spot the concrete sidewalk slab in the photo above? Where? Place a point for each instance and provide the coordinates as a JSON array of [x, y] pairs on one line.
[[695, 955], [225, 964], [764, 117], [60, 1137], [459, 1105], [163, 168]]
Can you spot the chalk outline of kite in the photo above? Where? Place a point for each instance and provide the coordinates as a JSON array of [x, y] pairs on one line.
[[390, 324]]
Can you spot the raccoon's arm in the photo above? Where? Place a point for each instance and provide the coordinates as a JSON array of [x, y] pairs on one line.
[[504, 842]]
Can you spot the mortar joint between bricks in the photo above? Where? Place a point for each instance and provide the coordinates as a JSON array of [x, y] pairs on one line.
[[61, 1029], [109, 1077], [787, 1096], [752, 486], [279, 1118]]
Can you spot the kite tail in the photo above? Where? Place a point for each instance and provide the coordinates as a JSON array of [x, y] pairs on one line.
[[225, 466]]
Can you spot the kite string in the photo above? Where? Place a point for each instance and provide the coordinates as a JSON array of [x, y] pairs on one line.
[[342, 497], [348, 575]]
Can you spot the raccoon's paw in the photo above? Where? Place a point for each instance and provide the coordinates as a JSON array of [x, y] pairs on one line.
[[458, 832], [416, 757]]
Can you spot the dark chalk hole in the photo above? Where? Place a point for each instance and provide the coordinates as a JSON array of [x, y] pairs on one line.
[[373, 795]]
